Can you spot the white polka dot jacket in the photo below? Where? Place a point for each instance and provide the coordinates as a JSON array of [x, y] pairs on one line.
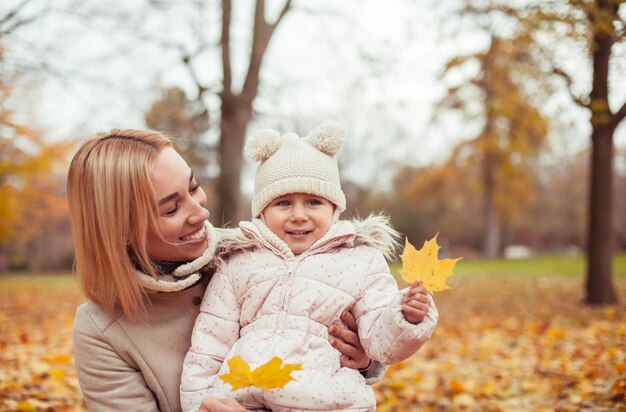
[[266, 302]]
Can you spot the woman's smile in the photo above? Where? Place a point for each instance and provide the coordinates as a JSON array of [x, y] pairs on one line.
[[199, 234]]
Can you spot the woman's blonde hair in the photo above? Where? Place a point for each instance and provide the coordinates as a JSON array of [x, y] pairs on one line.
[[112, 206]]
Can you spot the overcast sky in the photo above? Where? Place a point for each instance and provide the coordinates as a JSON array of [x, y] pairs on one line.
[[372, 69]]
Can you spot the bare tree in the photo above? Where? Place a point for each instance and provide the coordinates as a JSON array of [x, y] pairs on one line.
[[597, 25], [604, 29], [236, 110], [236, 106], [600, 287]]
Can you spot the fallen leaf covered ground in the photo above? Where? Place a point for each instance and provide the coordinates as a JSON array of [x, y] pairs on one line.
[[502, 344]]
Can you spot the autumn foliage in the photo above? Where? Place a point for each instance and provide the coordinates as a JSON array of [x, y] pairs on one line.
[[424, 265], [271, 375], [502, 344], [32, 178]]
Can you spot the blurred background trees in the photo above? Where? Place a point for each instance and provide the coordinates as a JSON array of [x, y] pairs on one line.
[[506, 135], [32, 182]]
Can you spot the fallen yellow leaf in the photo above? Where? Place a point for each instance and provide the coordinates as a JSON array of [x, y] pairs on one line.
[[238, 375], [424, 265], [274, 374], [57, 374], [270, 375], [456, 387]]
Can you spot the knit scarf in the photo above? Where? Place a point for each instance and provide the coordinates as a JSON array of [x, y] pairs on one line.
[[185, 275]]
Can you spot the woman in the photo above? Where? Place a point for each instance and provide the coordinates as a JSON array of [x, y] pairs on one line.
[[144, 256]]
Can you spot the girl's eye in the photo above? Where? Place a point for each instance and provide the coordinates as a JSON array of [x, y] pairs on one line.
[[315, 202], [282, 203], [195, 187]]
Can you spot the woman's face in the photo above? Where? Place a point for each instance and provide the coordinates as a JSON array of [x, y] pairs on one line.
[[181, 234]]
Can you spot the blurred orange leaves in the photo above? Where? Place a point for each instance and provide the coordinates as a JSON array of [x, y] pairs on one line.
[[36, 319], [502, 344], [515, 344]]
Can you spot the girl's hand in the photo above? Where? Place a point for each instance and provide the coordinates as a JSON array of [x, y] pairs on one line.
[[415, 303], [220, 405], [348, 343]]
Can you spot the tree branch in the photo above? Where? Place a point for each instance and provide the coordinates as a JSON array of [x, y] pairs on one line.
[[188, 62], [568, 80], [282, 14], [9, 18], [261, 38], [14, 12], [619, 115]]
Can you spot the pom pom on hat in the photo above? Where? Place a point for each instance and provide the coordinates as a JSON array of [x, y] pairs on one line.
[[262, 144], [327, 139]]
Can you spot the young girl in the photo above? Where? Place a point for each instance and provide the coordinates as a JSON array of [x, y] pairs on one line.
[[299, 270]]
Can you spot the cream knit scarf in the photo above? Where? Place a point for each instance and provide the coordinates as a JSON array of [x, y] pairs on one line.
[[184, 275]]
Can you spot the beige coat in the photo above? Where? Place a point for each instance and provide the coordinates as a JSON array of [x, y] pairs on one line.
[[125, 366]]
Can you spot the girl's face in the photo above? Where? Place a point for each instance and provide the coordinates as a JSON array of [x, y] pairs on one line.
[[299, 219], [181, 234]]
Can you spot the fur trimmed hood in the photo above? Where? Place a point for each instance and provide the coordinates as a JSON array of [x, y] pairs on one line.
[[374, 231]]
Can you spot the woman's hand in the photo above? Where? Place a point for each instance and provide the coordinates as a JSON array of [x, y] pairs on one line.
[[220, 405], [348, 343]]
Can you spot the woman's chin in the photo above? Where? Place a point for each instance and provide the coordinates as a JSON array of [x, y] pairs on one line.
[[192, 250]]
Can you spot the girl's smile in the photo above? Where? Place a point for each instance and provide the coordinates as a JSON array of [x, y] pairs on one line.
[[299, 219]]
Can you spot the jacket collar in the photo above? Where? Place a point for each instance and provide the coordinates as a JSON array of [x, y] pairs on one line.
[[340, 233]]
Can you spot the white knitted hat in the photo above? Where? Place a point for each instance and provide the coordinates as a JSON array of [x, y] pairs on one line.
[[290, 164]]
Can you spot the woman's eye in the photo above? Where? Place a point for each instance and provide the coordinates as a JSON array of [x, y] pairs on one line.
[[195, 187], [171, 211]]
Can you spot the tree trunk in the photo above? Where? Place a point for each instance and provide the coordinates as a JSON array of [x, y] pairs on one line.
[[3, 263], [491, 244], [491, 241], [600, 288], [236, 113], [237, 108]]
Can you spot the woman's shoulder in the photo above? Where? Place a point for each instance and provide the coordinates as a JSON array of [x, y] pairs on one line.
[[90, 315]]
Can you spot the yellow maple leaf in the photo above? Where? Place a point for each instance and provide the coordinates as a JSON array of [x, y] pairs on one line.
[[238, 374], [274, 374], [270, 375], [424, 265]]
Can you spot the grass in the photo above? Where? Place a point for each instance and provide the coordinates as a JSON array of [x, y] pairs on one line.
[[56, 279], [536, 266]]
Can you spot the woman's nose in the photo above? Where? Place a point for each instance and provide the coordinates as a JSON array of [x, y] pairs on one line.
[[199, 213]]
